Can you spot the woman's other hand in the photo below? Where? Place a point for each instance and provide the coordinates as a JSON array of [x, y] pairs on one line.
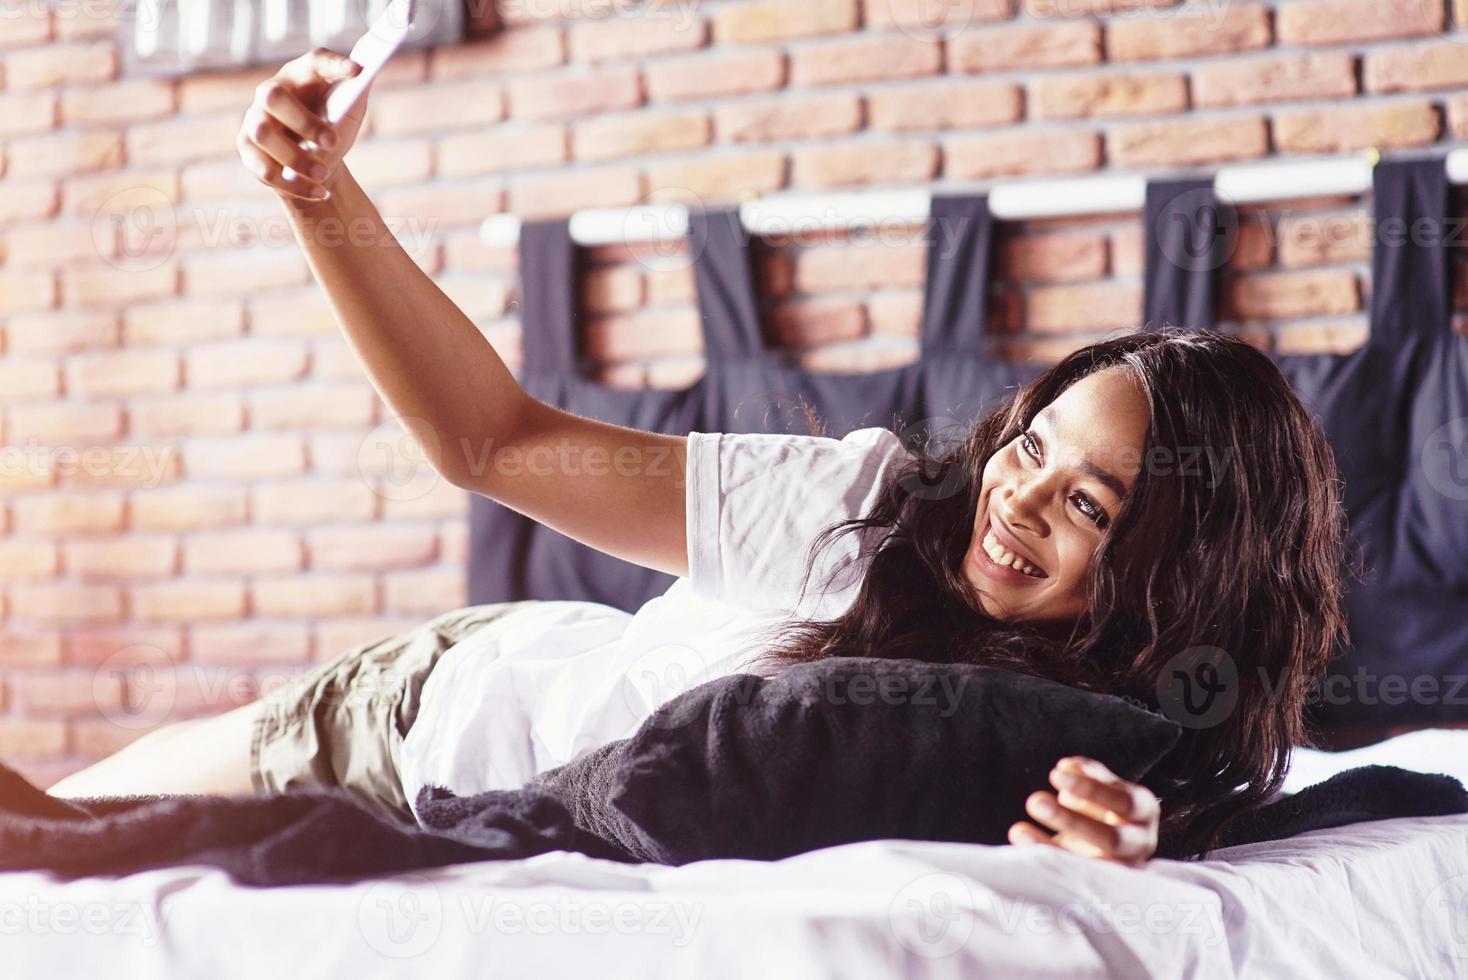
[[1096, 814], [287, 115]]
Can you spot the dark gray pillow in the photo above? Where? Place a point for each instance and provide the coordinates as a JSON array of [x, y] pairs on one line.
[[848, 749]]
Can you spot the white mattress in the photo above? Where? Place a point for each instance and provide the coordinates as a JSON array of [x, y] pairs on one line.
[[1381, 899]]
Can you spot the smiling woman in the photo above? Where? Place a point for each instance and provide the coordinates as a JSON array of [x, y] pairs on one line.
[[1092, 530]]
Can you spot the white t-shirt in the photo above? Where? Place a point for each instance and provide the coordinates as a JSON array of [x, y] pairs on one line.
[[537, 687]]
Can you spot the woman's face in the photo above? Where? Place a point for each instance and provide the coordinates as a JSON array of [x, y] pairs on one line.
[[1048, 496]]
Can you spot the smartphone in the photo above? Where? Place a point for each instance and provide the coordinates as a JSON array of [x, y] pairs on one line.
[[372, 51]]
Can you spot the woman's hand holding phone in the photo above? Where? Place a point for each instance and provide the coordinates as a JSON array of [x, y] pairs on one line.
[[285, 139]]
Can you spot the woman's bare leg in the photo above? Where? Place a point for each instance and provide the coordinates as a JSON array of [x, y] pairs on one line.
[[198, 755]]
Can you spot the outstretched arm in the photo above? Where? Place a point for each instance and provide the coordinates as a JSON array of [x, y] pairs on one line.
[[616, 489]]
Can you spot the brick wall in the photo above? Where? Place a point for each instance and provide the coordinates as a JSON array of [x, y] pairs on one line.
[[196, 499]]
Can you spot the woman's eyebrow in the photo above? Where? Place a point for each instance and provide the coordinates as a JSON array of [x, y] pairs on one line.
[[1106, 477]]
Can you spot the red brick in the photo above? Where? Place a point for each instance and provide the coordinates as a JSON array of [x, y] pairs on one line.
[[119, 193], [426, 592], [865, 59], [945, 105], [313, 501], [313, 407], [66, 512], [788, 118], [187, 601], [125, 557], [187, 415], [135, 100], [864, 266], [956, 15], [65, 603], [1187, 141], [782, 20], [503, 53], [1025, 46], [22, 201], [508, 147], [1053, 257], [1458, 116], [1250, 81], [218, 180], [675, 372], [25, 24], [213, 91], [1322, 337], [367, 547], [122, 372], [27, 291], [864, 162], [1243, 28], [443, 204], [579, 94], [56, 243], [390, 164], [1291, 294], [64, 422], [294, 313], [242, 551], [60, 64], [477, 297], [638, 134], [179, 141], [28, 738], [895, 313], [245, 362], [250, 643], [83, 22], [465, 251], [314, 595], [27, 559], [709, 177], [245, 457], [1415, 68], [1312, 240], [562, 193], [1086, 307], [611, 289], [1355, 127], [28, 379], [1086, 8], [121, 466], [808, 323], [231, 272], [109, 286], [182, 321], [64, 153], [669, 286], [1355, 21], [708, 76], [442, 499], [641, 335], [123, 646], [27, 113], [188, 507], [1021, 152], [60, 332], [29, 649], [861, 358], [1084, 96], [99, 738], [652, 31], [435, 108], [335, 637]]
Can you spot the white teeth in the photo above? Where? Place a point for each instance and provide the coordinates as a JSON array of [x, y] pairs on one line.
[[1003, 556]]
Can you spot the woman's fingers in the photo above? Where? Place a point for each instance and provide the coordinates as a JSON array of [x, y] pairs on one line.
[[1099, 793], [270, 173], [267, 133], [281, 103], [1123, 841]]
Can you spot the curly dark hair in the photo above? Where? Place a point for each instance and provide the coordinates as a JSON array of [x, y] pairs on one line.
[[1249, 559]]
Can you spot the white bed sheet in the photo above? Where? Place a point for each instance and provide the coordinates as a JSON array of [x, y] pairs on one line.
[[1380, 899]]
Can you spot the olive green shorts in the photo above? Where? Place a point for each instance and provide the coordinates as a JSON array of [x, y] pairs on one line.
[[342, 723]]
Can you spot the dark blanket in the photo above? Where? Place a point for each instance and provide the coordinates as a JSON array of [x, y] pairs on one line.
[[693, 782]]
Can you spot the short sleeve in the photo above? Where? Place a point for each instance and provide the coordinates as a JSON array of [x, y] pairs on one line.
[[756, 504]]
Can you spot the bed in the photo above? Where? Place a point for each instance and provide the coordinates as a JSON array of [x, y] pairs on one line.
[[1387, 898]]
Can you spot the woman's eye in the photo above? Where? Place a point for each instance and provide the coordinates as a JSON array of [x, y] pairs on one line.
[[1027, 440], [1093, 512]]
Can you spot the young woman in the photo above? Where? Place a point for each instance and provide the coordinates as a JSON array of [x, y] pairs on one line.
[[1148, 497]]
